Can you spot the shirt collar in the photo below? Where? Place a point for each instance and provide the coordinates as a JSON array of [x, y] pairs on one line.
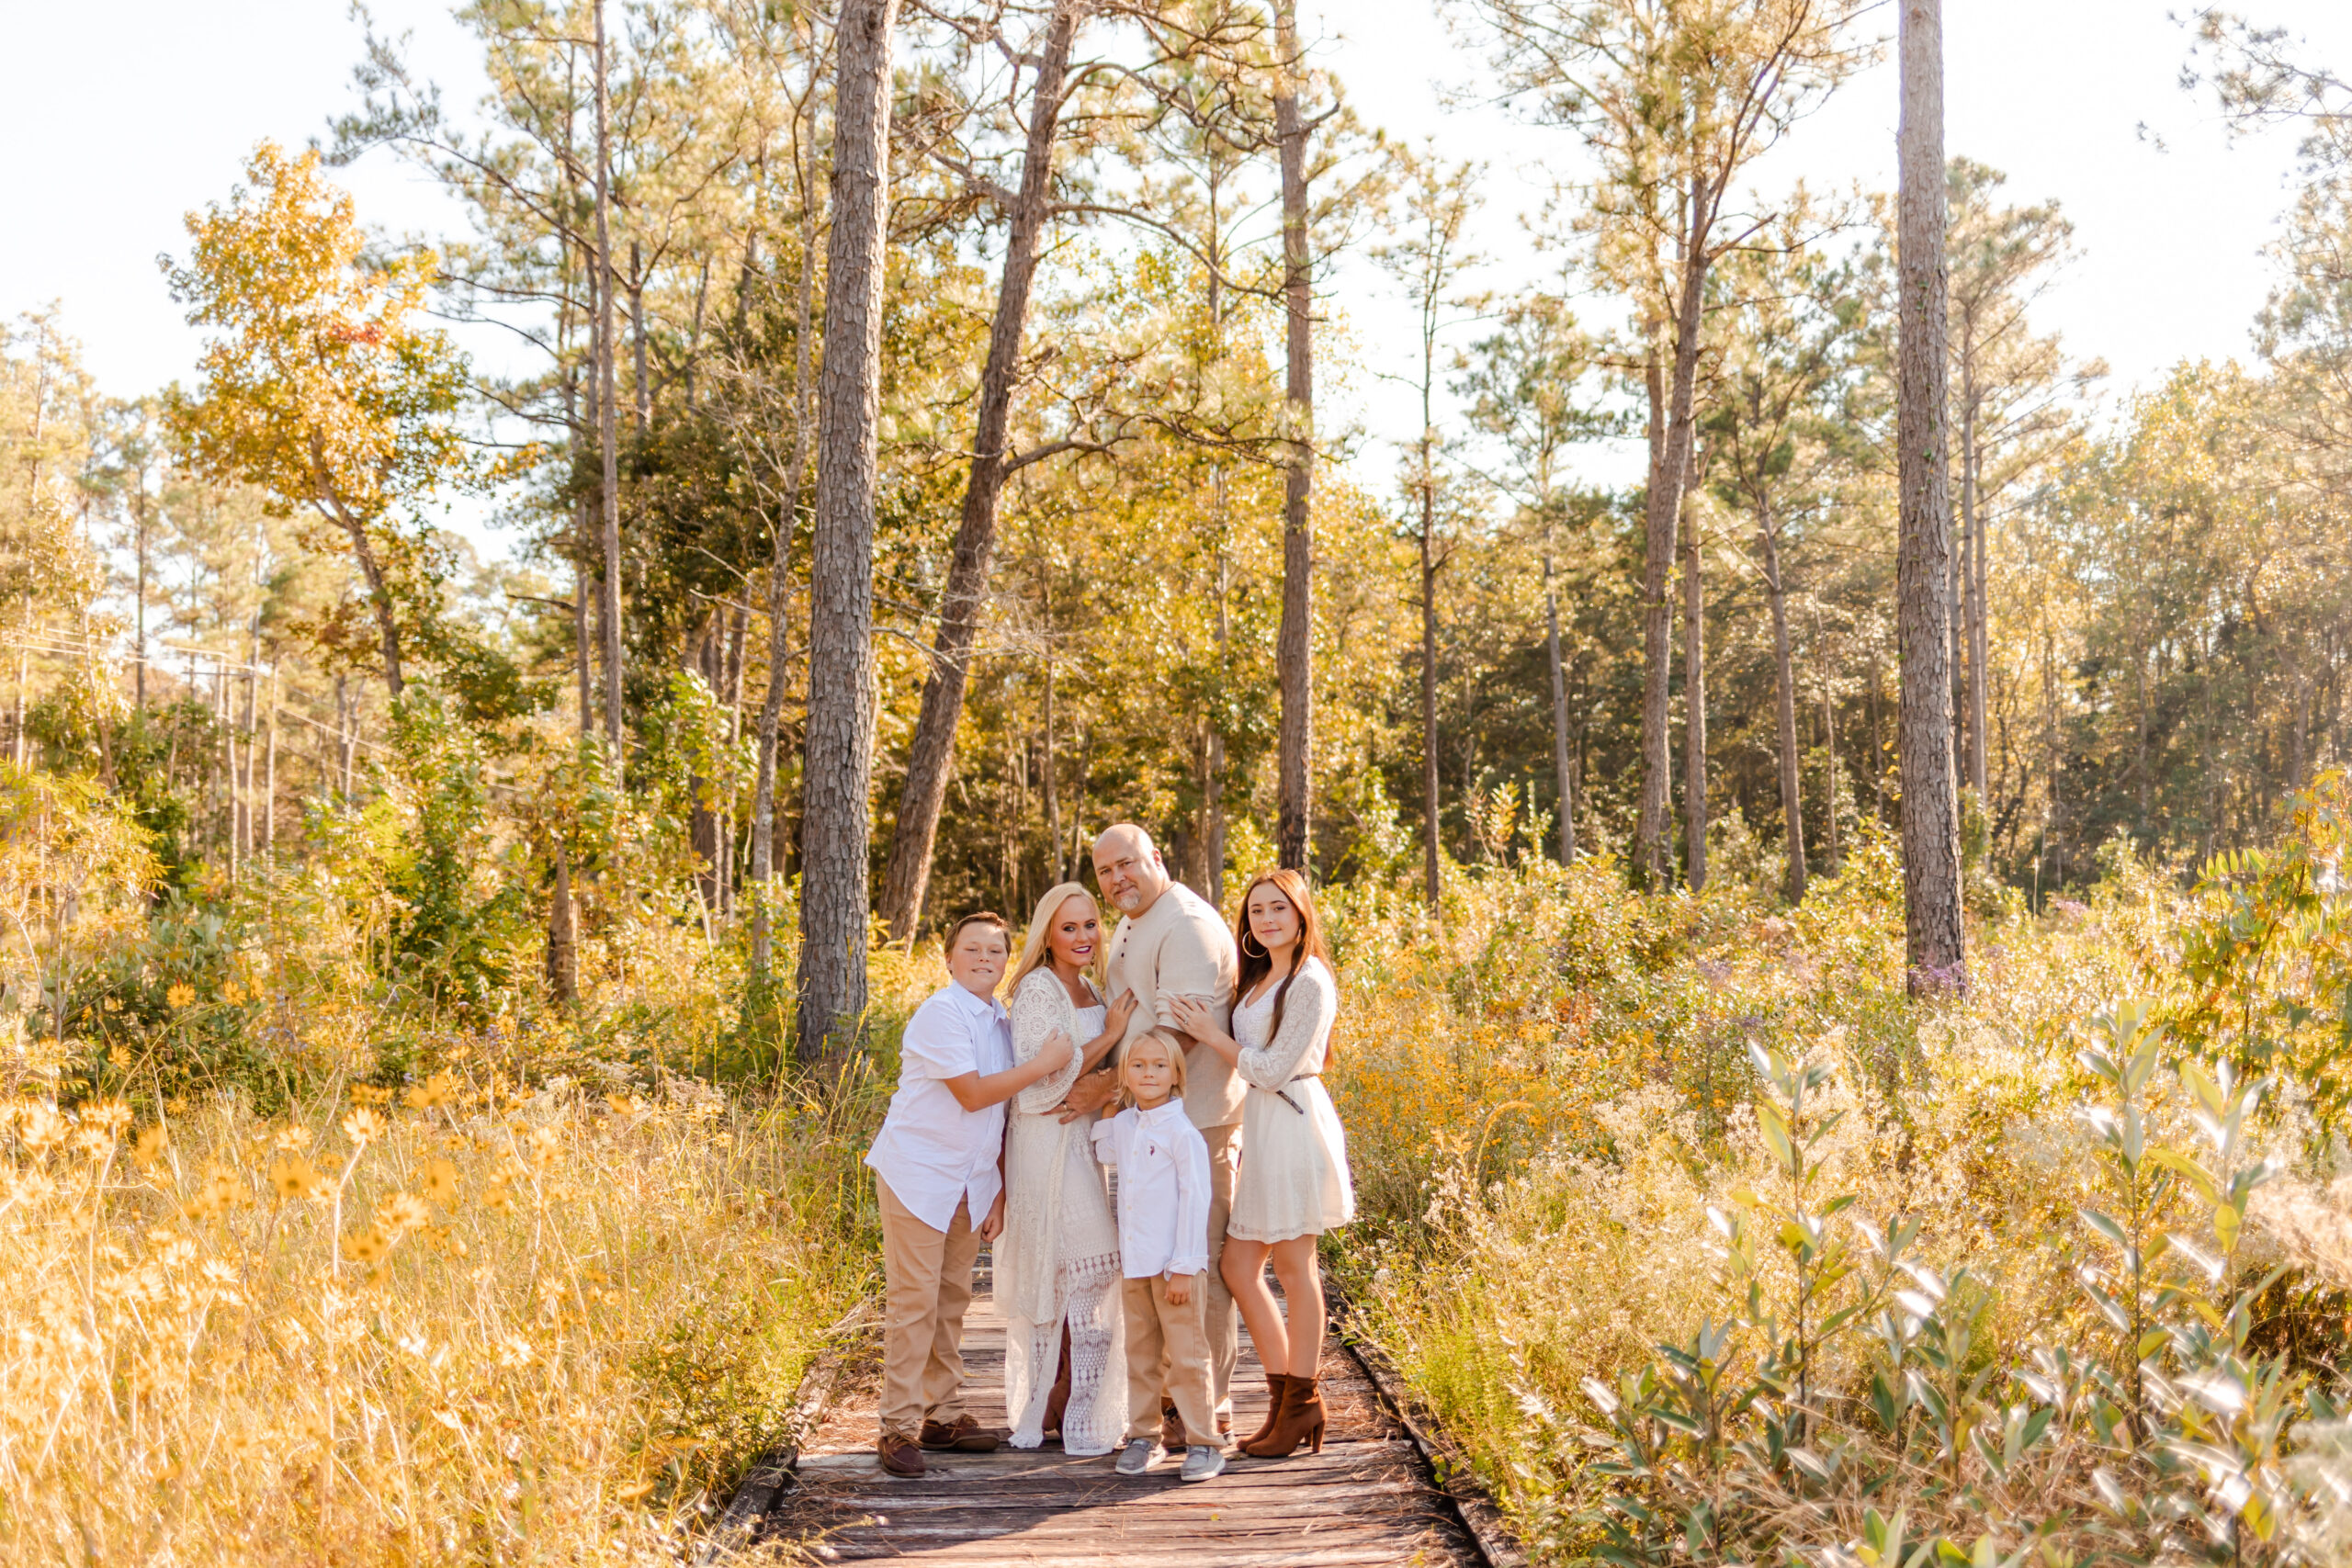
[[1160, 1113], [988, 1006]]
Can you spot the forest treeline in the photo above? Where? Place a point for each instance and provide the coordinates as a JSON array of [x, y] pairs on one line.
[[1106, 523]]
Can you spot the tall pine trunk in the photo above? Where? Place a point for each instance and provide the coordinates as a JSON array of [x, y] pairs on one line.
[[1672, 390], [1293, 643], [931, 755], [839, 755], [1980, 609], [1567, 823], [1933, 939], [1767, 547], [1432, 883], [608, 430], [1694, 692], [787, 521]]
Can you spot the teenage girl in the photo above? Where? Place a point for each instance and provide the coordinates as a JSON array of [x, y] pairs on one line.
[[1294, 1183]]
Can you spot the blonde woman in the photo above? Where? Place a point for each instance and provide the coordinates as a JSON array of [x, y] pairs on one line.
[[1057, 1262]]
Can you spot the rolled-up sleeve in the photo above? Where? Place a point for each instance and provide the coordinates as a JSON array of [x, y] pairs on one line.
[[1193, 964], [938, 1043]]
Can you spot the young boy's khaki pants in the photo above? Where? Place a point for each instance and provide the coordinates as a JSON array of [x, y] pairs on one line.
[[928, 1277], [1157, 1332]]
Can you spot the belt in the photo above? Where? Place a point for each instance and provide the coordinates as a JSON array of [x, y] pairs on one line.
[[1282, 1093]]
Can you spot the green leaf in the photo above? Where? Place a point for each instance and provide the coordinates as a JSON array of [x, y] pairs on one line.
[[2106, 1227], [1776, 1132]]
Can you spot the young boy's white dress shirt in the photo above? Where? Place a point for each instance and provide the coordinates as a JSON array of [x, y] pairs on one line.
[[1163, 1165]]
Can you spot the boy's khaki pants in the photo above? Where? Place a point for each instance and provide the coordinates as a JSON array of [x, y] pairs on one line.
[[929, 1277], [1168, 1350]]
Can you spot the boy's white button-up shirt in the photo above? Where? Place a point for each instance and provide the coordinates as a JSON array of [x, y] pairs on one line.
[[1163, 1165], [933, 1152]]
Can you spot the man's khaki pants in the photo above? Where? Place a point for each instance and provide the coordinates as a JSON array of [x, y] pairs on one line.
[[1220, 1321], [929, 1277], [1168, 1355]]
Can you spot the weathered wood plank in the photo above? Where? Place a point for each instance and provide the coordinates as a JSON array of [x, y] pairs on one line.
[[1367, 1498]]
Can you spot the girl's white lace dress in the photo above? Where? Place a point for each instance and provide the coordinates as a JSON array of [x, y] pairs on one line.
[[1294, 1179], [1058, 1261]]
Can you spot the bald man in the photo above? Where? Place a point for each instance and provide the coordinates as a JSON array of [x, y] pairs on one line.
[[1171, 943]]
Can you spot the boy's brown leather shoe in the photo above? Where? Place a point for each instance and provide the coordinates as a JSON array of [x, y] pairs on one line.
[[962, 1436], [900, 1457]]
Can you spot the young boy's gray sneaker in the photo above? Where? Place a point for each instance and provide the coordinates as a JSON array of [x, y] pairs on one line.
[[1138, 1456], [1201, 1460]]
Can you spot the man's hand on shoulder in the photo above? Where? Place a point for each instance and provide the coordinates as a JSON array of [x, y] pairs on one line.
[[1090, 1094]]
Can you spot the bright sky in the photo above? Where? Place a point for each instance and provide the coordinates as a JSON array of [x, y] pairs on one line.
[[127, 114]]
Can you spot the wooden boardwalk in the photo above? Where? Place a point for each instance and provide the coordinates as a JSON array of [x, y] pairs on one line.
[[1367, 1498]]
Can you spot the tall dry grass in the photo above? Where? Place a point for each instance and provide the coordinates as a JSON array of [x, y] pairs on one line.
[[481, 1320], [1549, 1093]]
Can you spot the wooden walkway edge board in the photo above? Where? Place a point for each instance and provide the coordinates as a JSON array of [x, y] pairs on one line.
[[1460, 1484], [1369, 1497], [755, 1494]]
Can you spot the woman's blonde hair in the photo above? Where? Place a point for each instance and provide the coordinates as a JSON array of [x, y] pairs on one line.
[[1036, 955], [1175, 1065]]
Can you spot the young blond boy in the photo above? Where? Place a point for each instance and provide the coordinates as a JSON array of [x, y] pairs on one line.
[[1163, 1165]]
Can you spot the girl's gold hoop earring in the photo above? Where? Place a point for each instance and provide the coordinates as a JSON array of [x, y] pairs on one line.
[[1251, 945]]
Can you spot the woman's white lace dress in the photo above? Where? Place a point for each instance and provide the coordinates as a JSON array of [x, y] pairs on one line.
[[1058, 1261], [1294, 1179]]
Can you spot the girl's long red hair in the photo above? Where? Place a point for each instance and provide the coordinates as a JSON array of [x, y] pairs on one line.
[[1257, 963]]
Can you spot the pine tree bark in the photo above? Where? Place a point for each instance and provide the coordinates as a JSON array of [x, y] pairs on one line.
[[1432, 883], [563, 943], [608, 430], [839, 755], [1933, 937], [1767, 548], [1980, 674], [931, 753], [787, 521], [1567, 823], [1293, 642], [1694, 695], [1671, 393]]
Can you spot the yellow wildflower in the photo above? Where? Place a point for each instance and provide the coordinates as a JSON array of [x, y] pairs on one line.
[[180, 995], [438, 1089], [365, 1246], [39, 1126], [441, 1181], [149, 1148], [401, 1213], [292, 1177], [363, 1127]]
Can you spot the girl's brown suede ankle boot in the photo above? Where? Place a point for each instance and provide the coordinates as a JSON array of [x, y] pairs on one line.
[[1300, 1420], [1276, 1383]]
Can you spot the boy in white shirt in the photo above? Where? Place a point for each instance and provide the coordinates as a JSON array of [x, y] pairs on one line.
[[1163, 1165], [939, 1160]]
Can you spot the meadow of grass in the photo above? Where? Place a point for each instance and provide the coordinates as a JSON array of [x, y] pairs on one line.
[[291, 1272], [1705, 1242], [326, 1236]]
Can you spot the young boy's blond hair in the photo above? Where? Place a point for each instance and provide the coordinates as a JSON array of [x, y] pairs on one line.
[[1175, 1061]]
